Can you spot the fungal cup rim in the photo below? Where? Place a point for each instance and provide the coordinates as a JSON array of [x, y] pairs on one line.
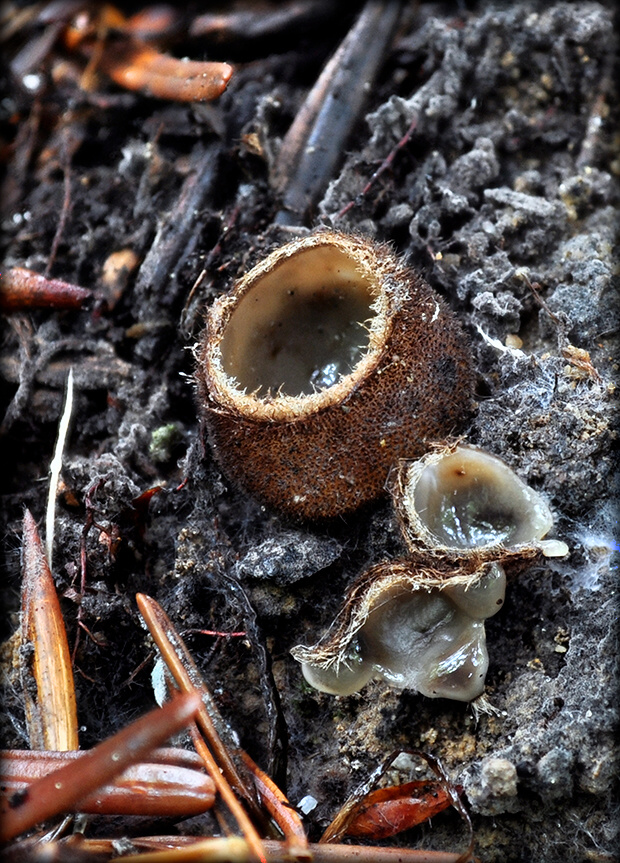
[[282, 406], [388, 579]]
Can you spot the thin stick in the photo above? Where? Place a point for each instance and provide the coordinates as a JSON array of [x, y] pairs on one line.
[[314, 144], [385, 164], [232, 850], [56, 466], [171, 647], [66, 201]]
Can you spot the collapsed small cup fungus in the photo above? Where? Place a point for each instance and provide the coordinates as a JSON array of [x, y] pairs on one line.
[[419, 623], [324, 365], [414, 629]]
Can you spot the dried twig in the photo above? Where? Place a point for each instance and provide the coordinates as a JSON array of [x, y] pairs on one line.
[[385, 164], [259, 23], [315, 142], [183, 849], [67, 146], [157, 287]]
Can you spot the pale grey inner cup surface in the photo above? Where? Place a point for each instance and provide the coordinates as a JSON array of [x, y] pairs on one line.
[[471, 499], [300, 328]]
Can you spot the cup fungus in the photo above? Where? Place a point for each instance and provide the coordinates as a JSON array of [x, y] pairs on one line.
[[419, 623], [325, 364], [463, 501], [413, 629]]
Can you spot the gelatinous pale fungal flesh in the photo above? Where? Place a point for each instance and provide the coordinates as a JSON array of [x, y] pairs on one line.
[[419, 623], [323, 366], [464, 499], [344, 677], [414, 634]]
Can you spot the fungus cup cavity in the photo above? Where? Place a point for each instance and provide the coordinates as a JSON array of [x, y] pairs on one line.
[[463, 500], [413, 630], [325, 364]]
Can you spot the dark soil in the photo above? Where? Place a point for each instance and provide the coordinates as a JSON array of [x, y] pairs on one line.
[[505, 198]]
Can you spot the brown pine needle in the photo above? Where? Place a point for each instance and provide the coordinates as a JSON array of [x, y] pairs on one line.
[[62, 790], [184, 671], [52, 721], [159, 787], [254, 842], [137, 66], [281, 811], [24, 289], [178, 659]]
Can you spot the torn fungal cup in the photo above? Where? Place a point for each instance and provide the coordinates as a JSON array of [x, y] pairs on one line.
[[325, 364], [463, 500], [419, 623], [414, 631]]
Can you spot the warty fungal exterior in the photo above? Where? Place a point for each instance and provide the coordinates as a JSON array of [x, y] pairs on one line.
[[324, 365]]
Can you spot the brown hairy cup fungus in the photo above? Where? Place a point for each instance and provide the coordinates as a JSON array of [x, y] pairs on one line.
[[413, 628], [465, 501], [325, 364]]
